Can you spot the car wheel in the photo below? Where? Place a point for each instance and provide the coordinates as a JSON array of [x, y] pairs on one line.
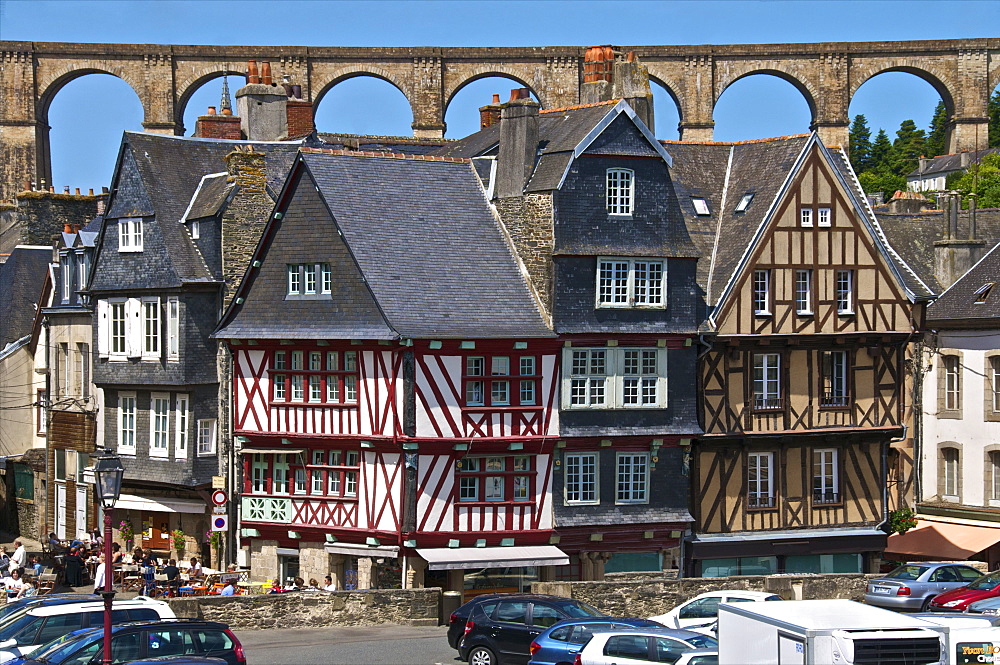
[[926, 604], [482, 656]]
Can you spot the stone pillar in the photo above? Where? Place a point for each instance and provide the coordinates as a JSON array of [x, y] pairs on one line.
[[415, 567], [314, 562], [600, 558], [456, 580], [968, 133], [697, 98], [337, 565], [158, 95], [968, 128], [427, 98], [24, 149], [830, 113], [263, 560], [366, 572], [547, 574], [586, 566]]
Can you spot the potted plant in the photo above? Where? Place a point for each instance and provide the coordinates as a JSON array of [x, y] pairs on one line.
[[177, 538], [126, 533]]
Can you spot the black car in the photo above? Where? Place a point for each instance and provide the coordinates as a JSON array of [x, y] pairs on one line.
[[499, 628], [145, 640]]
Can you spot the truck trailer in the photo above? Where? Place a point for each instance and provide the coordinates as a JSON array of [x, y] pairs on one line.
[[825, 632]]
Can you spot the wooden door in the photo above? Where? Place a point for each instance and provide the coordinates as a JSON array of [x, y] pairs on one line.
[[61, 511]]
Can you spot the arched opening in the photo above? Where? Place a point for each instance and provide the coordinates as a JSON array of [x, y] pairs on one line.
[[208, 93], [760, 106], [666, 112], [896, 117], [993, 111], [363, 104], [462, 111], [87, 117]]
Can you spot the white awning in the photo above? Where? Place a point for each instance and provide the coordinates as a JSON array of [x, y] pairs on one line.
[[271, 451], [160, 504], [381, 552], [449, 558]]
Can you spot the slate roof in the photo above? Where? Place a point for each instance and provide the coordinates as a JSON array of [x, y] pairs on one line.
[[958, 304], [427, 245], [21, 279], [403, 145], [949, 163], [210, 197]]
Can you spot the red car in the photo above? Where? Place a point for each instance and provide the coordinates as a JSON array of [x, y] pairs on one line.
[[958, 600]]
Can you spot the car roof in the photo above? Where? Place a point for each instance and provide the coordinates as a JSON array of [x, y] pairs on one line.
[[138, 625], [94, 604], [736, 592], [679, 633], [578, 620]]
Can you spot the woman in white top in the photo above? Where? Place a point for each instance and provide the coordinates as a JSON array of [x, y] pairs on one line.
[[99, 575]]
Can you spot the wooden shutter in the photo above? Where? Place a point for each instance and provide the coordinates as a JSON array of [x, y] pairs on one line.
[[103, 328], [133, 327]]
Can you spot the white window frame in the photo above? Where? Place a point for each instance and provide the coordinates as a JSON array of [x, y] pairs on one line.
[[259, 473], [182, 425], [762, 292], [293, 284], [951, 365], [803, 292], [760, 488], [280, 481], [159, 438], [308, 279], [806, 218], [619, 189], [173, 328], [824, 218], [605, 388], [952, 461], [82, 268], [301, 484], [130, 234], [195, 229], [127, 413], [59, 463], [207, 436], [326, 278], [767, 388], [627, 283], [67, 278], [151, 329], [631, 478], [844, 292], [581, 479], [701, 206], [993, 493], [118, 339], [826, 480], [745, 201]]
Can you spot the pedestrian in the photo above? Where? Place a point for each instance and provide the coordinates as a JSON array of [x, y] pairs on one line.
[[329, 584], [4, 562], [20, 557], [73, 569], [99, 575]]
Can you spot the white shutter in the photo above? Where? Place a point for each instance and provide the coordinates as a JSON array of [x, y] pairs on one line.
[[133, 327], [103, 328]]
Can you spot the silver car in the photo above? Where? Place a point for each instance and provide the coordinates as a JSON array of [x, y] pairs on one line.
[[913, 585]]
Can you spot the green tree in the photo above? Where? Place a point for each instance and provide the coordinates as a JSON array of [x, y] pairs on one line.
[[880, 153], [885, 182], [936, 138], [860, 144], [982, 179], [907, 148], [993, 112]]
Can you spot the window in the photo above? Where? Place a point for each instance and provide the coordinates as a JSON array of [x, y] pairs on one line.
[[495, 478], [130, 234], [126, 423], [983, 292], [83, 270], [760, 483], [612, 378], [83, 351], [41, 411], [845, 292], [952, 383], [762, 292], [330, 378], [620, 191], [308, 280], [806, 217], [316, 475], [700, 207], [803, 292], [630, 283], [206, 436], [300, 481], [767, 381], [279, 474], [182, 418], [67, 278], [950, 464], [512, 381], [993, 475], [823, 217], [258, 474], [151, 329], [632, 478], [117, 312], [834, 376], [580, 478], [826, 489], [59, 464], [195, 230], [173, 328], [744, 202], [340, 468], [158, 424], [67, 370]]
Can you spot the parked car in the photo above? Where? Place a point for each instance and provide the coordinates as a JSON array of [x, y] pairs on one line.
[[913, 585], [135, 641], [179, 660], [699, 657], [41, 623], [958, 600], [500, 628], [703, 609], [559, 644], [988, 607], [640, 646], [19, 604]]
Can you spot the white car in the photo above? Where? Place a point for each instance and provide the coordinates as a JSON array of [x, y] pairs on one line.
[[640, 646], [703, 609], [699, 657], [25, 631]]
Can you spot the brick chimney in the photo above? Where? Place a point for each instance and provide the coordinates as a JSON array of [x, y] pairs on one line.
[[607, 76], [299, 112], [261, 105], [489, 115], [245, 216], [215, 126], [518, 143]]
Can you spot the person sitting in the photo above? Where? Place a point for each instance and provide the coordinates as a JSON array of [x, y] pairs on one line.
[[297, 584], [229, 589], [4, 562], [194, 570], [55, 545], [35, 564], [329, 584], [117, 557], [99, 573], [173, 574], [13, 584], [29, 589]]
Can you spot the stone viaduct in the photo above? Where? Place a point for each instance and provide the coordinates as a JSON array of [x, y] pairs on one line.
[[963, 71]]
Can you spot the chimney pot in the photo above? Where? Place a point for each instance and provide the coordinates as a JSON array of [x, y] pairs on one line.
[[287, 87], [496, 98], [65, 190], [76, 228], [252, 76], [227, 111], [515, 93], [104, 190], [90, 192], [67, 228], [78, 191], [265, 73], [297, 91], [211, 110]]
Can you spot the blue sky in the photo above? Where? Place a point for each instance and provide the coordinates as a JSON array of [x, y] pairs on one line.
[[88, 115]]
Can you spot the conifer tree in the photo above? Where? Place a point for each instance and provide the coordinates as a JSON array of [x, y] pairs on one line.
[[907, 148], [860, 144], [935, 144], [880, 153]]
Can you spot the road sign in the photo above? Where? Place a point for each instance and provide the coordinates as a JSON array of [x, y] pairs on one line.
[[219, 497], [218, 510], [220, 523], [218, 482]]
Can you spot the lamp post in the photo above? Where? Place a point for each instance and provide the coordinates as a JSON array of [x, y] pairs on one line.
[[108, 472]]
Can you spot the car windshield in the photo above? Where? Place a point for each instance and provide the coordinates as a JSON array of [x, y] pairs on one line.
[[986, 582], [906, 572], [702, 641], [578, 610], [57, 650]]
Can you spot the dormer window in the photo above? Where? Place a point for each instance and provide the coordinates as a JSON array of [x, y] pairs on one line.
[[630, 283], [744, 202], [701, 207], [983, 292], [195, 230], [67, 278], [130, 234], [309, 280], [620, 191]]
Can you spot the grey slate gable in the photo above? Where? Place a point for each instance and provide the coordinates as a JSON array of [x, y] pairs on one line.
[[958, 307], [21, 279]]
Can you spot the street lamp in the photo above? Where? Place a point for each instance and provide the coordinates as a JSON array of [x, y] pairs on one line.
[[108, 472]]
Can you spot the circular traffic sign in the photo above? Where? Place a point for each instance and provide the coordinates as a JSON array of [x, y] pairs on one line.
[[219, 497], [220, 522]]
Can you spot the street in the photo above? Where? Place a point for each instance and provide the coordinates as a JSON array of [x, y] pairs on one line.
[[353, 645]]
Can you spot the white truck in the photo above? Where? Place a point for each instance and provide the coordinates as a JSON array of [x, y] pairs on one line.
[[825, 632]]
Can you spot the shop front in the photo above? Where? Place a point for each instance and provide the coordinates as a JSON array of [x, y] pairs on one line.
[[478, 570], [154, 518]]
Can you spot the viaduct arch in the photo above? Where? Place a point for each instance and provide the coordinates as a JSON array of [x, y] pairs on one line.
[[964, 71]]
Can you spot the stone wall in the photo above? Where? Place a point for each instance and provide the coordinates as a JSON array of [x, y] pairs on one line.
[[649, 597], [38, 216], [414, 607], [528, 222]]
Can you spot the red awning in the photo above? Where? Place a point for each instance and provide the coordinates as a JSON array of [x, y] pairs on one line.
[[942, 540]]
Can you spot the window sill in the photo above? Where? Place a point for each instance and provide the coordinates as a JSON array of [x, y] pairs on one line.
[[632, 503], [581, 503], [845, 313], [835, 407], [502, 407], [505, 502], [308, 296], [804, 313], [212, 454], [314, 405], [620, 215], [762, 313]]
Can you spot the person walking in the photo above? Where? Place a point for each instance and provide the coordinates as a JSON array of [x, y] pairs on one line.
[[99, 575]]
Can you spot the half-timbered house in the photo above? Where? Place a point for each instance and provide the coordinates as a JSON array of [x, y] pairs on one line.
[[803, 369]]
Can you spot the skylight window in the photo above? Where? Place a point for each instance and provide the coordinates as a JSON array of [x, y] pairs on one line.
[[700, 206], [744, 202], [983, 292]]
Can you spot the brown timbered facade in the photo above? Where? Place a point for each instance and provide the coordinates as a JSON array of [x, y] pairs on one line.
[[802, 372]]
